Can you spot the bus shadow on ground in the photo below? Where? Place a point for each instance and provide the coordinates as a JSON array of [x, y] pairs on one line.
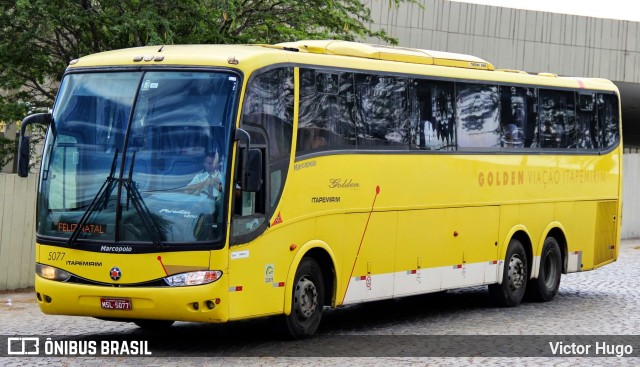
[[344, 331], [386, 313], [360, 318]]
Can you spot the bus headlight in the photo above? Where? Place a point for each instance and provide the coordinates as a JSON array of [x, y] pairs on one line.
[[51, 273], [193, 278]]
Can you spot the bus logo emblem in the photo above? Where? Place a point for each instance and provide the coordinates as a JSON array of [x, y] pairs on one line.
[[115, 273]]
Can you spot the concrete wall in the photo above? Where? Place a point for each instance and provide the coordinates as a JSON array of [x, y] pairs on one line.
[[517, 39], [631, 197], [17, 231]]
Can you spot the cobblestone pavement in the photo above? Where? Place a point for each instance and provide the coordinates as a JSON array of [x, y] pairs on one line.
[[602, 302]]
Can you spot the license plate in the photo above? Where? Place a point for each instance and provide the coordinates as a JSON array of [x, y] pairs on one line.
[[122, 304]]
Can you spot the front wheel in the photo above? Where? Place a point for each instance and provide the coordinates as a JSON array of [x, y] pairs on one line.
[[514, 277], [545, 287], [307, 301]]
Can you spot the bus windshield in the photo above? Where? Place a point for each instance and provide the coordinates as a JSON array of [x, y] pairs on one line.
[[138, 157]]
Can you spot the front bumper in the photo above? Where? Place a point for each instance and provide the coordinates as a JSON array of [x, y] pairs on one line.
[[204, 303]]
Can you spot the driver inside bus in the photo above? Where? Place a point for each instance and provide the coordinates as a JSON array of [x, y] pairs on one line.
[[208, 184]]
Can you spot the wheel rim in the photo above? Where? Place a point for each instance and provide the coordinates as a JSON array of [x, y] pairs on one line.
[[516, 273], [550, 271], [305, 298]]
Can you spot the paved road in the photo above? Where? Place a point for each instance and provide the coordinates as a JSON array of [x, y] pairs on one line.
[[602, 302]]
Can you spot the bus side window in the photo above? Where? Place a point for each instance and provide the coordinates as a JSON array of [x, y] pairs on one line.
[[607, 106], [531, 138], [383, 112], [513, 117], [586, 122], [477, 115], [435, 116], [267, 116], [326, 117], [557, 119]]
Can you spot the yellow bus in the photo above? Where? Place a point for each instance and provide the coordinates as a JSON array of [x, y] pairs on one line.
[[213, 183]]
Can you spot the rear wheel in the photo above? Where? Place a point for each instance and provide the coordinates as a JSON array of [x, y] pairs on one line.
[[514, 278], [307, 301], [545, 287], [153, 324]]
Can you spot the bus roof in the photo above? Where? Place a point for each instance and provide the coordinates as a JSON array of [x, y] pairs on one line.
[[333, 53], [191, 55]]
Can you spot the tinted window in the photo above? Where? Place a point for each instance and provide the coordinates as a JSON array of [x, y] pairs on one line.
[[608, 123], [518, 117], [478, 116], [435, 122], [586, 135], [326, 119], [384, 111], [361, 111], [557, 128]]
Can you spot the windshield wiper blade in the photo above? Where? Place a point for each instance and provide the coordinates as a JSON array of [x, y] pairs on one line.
[[133, 160], [133, 195], [103, 194]]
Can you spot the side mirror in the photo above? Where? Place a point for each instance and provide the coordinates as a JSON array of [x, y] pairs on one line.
[[252, 179], [24, 146], [23, 156], [250, 165]]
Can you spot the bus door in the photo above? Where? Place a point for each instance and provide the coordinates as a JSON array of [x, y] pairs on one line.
[[259, 257]]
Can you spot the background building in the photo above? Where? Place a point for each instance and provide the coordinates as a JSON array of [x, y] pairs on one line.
[[532, 41]]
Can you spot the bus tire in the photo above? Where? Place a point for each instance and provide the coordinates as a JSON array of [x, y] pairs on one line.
[[514, 277], [153, 324], [545, 287], [307, 301]]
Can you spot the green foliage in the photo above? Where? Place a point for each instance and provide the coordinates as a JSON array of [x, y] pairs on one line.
[[39, 37], [7, 150]]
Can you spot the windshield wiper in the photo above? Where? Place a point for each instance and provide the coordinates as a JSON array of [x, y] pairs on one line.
[[133, 195], [101, 200], [101, 196]]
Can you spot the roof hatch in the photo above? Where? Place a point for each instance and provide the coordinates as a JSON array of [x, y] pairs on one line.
[[388, 53]]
